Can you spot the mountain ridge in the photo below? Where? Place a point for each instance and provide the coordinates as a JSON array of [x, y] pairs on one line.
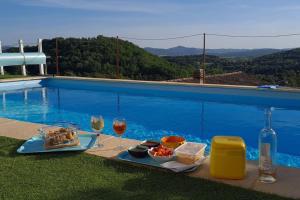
[[222, 52]]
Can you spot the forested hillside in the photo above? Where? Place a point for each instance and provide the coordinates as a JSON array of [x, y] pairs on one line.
[[281, 68], [96, 57], [214, 64]]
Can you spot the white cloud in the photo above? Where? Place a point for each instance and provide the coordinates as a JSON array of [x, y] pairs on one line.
[[154, 6], [287, 8]]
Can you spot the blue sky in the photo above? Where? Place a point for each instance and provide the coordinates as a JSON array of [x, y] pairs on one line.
[[30, 19]]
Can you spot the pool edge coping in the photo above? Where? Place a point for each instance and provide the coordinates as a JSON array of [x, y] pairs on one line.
[[245, 87], [23, 79], [166, 83]]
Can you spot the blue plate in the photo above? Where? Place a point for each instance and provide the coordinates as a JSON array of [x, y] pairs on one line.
[[125, 156], [36, 145]]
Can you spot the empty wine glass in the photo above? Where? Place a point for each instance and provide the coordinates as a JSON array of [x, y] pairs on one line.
[[119, 126], [97, 125]]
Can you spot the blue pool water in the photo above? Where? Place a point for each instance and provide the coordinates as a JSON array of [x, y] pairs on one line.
[[153, 111]]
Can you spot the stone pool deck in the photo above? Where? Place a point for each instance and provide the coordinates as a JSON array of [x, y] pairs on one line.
[[288, 178], [23, 79]]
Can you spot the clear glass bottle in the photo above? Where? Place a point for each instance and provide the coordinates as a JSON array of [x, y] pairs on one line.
[[267, 151]]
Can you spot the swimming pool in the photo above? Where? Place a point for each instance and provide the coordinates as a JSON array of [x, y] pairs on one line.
[[155, 110]]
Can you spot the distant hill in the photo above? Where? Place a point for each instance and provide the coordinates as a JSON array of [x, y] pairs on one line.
[[282, 67], [174, 51], [214, 64], [185, 51]]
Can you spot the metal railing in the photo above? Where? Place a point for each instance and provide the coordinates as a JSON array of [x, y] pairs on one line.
[[23, 58]]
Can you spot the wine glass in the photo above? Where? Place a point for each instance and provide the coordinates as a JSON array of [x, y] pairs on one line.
[[119, 126], [97, 124]]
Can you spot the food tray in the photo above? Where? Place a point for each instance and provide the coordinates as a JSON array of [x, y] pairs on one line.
[[148, 161], [36, 145], [125, 156]]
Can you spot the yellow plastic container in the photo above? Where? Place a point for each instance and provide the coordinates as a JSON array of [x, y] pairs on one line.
[[228, 157]]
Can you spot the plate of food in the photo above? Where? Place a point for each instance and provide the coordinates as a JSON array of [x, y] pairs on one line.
[[58, 138], [161, 153], [172, 141]]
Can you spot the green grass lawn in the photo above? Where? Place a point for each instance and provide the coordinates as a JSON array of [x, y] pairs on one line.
[[74, 176]]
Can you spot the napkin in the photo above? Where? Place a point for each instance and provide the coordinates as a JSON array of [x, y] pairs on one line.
[[180, 167]]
